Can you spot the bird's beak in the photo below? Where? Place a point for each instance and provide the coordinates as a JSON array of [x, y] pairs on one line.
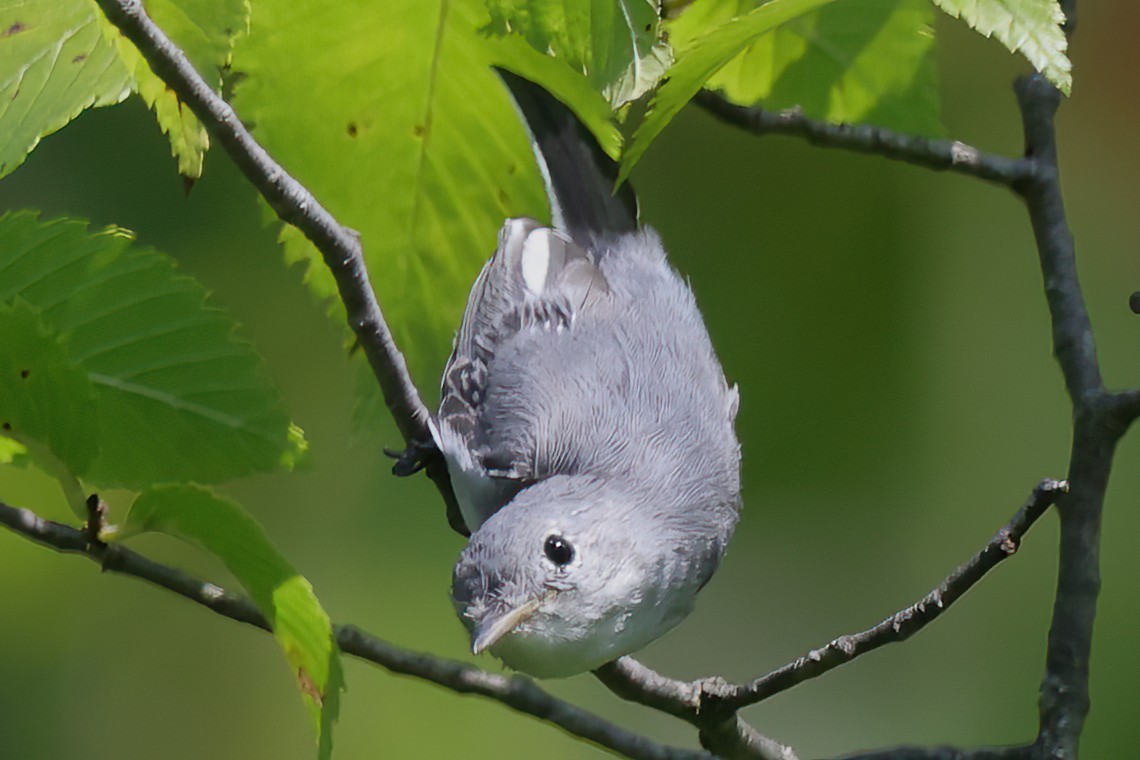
[[495, 626]]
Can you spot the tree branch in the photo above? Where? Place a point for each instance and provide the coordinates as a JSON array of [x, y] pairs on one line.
[[1125, 407], [948, 155], [711, 703], [1099, 419], [1073, 342], [943, 753], [517, 692], [294, 204]]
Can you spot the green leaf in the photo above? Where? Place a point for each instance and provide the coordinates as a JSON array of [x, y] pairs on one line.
[[13, 452], [206, 31], [59, 57], [616, 44], [696, 63], [54, 63], [407, 137], [177, 396], [1030, 27], [45, 398], [513, 53], [856, 61], [299, 623]]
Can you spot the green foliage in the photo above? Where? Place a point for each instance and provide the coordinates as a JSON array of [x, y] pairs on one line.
[[299, 623], [45, 398], [176, 396], [12, 451], [856, 61], [616, 44], [206, 31], [701, 60], [54, 63], [1030, 27], [515, 54], [408, 138], [60, 57]]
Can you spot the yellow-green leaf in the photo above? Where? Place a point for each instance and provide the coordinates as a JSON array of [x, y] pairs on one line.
[[704, 57], [854, 62], [406, 135], [54, 63], [205, 30], [177, 396], [1033, 28], [46, 399], [300, 625]]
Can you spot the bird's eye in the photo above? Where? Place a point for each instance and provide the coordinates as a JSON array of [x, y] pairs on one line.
[[558, 550]]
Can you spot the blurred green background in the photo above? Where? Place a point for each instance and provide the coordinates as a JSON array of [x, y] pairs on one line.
[[887, 328]]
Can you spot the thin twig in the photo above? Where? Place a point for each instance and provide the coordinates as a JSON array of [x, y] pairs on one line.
[[948, 155], [517, 692], [294, 204], [714, 699]]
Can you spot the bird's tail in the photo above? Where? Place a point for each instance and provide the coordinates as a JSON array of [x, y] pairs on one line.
[[578, 174]]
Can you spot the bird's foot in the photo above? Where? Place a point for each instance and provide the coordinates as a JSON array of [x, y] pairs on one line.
[[414, 458]]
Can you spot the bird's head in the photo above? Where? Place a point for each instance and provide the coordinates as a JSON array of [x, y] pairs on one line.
[[563, 579]]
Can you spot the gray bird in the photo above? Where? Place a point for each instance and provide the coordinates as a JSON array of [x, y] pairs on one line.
[[586, 425]]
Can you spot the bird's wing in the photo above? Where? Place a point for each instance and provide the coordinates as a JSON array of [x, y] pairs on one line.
[[537, 282]]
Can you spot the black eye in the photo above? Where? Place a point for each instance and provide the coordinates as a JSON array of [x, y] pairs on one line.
[[558, 550]]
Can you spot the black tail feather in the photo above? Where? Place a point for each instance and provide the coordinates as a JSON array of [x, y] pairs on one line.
[[579, 176]]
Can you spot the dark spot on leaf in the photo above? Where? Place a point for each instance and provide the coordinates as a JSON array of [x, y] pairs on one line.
[[79, 58], [649, 27], [511, 169], [503, 198], [419, 130], [352, 129], [24, 374], [15, 28], [6, 426], [1134, 302]]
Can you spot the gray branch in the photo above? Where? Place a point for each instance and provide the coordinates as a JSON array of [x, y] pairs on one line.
[[947, 155], [339, 246], [517, 692], [711, 704], [1100, 418]]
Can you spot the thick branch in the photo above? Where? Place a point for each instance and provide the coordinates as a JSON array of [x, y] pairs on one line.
[[1125, 407], [949, 155], [516, 692], [714, 700], [294, 204], [1072, 330], [1099, 419]]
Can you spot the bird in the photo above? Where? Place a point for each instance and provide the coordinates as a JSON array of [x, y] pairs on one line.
[[586, 424]]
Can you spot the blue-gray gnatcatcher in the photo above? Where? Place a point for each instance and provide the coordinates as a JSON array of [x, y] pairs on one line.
[[586, 424]]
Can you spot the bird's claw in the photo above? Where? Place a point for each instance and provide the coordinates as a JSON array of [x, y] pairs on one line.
[[412, 459]]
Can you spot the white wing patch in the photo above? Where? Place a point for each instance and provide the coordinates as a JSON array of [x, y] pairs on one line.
[[536, 260]]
